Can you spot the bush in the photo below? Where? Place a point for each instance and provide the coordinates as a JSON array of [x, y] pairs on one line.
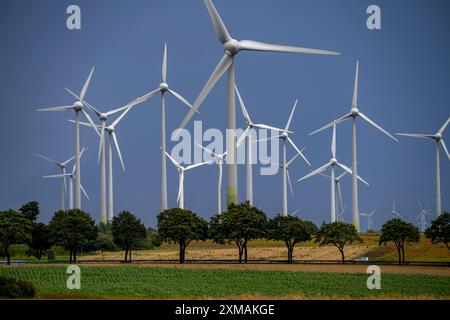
[[13, 288]]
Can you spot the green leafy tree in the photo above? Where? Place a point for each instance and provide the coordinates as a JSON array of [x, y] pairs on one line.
[[399, 232], [181, 226], [338, 234], [71, 229], [30, 210], [439, 231], [40, 239], [240, 224], [127, 231], [15, 228], [291, 230]]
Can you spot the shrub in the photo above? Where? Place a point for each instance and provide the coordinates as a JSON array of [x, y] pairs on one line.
[[13, 288]]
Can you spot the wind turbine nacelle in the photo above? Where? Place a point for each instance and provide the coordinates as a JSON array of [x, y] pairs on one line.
[[164, 86], [438, 136], [355, 112], [284, 135], [109, 129], [333, 161], [103, 117], [231, 47], [78, 106]]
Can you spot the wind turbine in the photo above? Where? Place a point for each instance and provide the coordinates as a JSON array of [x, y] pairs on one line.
[[355, 113], [232, 47], [437, 137], [103, 117], [71, 177], [220, 159], [369, 219], [340, 216], [77, 106], [112, 138], [394, 214], [163, 88], [181, 171], [248, 145], [422, 217], [62, 166], [332, 165]]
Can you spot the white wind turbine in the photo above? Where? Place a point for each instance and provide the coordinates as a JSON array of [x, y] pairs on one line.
[[284, 137], [62, 166], [394, 214], [77, 106], [232, 47], [437, 137], [163, 88], [181, 171], [422, 217], [103, 117], [111, 130], [71, 177], [248, 134], [355, 113], [332, 165], [369, 219], [221, 157]]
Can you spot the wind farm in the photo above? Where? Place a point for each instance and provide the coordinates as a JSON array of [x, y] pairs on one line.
[[224, 219]]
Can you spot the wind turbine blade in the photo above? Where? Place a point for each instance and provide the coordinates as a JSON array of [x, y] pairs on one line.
[[355, 88], [264, 126], [267, 161], [267, 139], [67, 161], [86, 84], [55, 176], [339, 193], [347, 169], [164, 65], [180, 97], [292, 159], [88, 117], [219, 26], [82, 151], [180, 185], [93, 109], [192, 166], [176, 164], [116, 143], [366, 118], [445, 148], [315, 172], [147, 96], [102, 138], [289, 182], [262, 46], [337, 121], [288, 124], [442, 129], [298, 150], [333, 142], [63, 108], [45, 158], [416, 135], [206, 149], [84, 192], [73, 94], [223, 66], [242, 104], [84, 123], [242, 137], [343, 174], [116, 122]]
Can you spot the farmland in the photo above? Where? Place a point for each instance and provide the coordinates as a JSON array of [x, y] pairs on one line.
[[197, 283]]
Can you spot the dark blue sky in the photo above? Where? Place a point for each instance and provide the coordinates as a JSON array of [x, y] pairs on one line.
[[404, 86]]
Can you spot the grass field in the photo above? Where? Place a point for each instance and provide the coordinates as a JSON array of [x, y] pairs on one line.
[[154, 282]]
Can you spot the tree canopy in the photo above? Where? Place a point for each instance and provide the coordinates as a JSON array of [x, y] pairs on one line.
[[127, 231], [439, 231], [14, 228], [399, 232], [30, 210], [338, 234], [40, 239], [240, 224], [181, 226]]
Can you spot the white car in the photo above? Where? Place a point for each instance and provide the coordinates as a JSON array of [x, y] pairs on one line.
[[361, 259]]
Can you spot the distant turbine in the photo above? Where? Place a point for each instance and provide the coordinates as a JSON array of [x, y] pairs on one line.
[[284, 136], [71, 177], [340, 217], [394, 214], [181, 171], [369, 219], [77, 107], [62, 166], [220, 159], [439, 142], [332, 164], [248, 145], [355, 113], [232, 47], [422, 217], [163, 88]]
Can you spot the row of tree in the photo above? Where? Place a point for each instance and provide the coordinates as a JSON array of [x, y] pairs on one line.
[[240, 224]]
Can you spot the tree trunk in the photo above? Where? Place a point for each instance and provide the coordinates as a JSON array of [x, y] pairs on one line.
[[342, 255], [126, 255], [129, 257], [70, 256], [75, 256], [290, 254], [241, 251], [245, 252], [8, 256], [399, 254], [182, 251], [403, 253]]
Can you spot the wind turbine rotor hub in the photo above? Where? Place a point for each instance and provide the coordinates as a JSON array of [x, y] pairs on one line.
[[164, 87], [78, 106], [103, 117], [180, 170], [333, 161], [110, 129], [438, 136], [284, 135], [355, 112], [220, 157], [231, 47]]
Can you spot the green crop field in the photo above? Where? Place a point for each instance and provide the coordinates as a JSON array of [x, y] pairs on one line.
[[152, 282]]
